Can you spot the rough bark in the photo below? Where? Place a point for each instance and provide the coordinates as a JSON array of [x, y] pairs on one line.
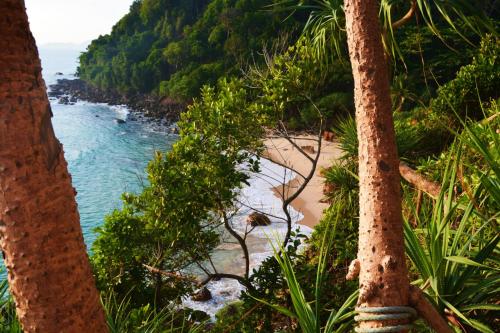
[[383, 275], [47, 264]]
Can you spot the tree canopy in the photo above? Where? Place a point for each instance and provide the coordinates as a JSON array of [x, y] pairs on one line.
[[173, 48]]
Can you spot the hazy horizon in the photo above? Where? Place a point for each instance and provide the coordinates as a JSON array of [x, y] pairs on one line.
[[73, 22]]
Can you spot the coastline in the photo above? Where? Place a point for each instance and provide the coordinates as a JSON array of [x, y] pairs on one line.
[[164, 110], [308, 203]]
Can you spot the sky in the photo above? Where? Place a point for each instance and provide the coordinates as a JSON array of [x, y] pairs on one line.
[[73, 21]]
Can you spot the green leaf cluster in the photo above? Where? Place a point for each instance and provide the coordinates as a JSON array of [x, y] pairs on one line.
[[175, 222], [455, 246], [474, 83]]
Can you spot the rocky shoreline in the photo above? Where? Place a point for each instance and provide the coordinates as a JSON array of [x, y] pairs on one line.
[[164, 110]]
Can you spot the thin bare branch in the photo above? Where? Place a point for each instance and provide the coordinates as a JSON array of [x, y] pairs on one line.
[[240, 240], [260, 211]]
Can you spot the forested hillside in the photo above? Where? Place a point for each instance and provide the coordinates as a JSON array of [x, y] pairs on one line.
[[173, 47], [408, 238]]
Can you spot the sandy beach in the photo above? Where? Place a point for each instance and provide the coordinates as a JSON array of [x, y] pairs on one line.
[[308, 203]]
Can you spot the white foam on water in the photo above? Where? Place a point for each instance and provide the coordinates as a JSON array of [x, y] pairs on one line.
[[223, 292], [260, 196], [122, 111]]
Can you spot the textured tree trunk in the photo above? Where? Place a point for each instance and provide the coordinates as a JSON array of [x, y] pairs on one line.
[[47, 264], [383, 275]]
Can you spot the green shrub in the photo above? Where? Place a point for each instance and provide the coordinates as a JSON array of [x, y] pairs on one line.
[[174, 222], [474, 83], [454, 248], [311, 316], [123, 317]]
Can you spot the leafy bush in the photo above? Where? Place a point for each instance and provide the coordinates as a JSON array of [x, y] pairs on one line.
[[309, 317], [149, 244], [479, 81], [122, 317], [294, 84], [454, 249]]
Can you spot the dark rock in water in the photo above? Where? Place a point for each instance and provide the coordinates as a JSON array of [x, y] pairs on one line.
[[73, 99], [199, 316], [203, 295], [132, 118], [97, 116], [64, 100], [258, 219], [59, 74], [153, 106], [120, 121]]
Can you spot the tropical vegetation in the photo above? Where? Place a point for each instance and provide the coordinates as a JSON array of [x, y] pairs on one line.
[[250, 68]]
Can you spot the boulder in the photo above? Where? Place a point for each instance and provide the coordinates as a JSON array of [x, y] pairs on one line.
[[199, 316], [203, 295], [258, 219], [64, 100], [120, 121]]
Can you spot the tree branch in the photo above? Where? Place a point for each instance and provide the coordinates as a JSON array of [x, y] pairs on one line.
[[244, 282], [407, 16], [427, 311], [240, 240], [260, 211], [283, 165], [420, 182], [176, 275], [289, 199], [290, 139]]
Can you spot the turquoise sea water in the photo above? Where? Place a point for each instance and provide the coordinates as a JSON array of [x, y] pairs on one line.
[[105, 158]]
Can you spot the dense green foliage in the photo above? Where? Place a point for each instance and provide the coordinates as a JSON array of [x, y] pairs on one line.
[[173, 48], [474, 84], [193, 186], [150, 252], [174, 223], [308, 314]]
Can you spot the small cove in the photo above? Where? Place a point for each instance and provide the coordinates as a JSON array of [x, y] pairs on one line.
[[107, 157]]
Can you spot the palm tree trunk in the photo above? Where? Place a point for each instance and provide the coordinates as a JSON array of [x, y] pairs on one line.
[[383, 275], [47, 264]]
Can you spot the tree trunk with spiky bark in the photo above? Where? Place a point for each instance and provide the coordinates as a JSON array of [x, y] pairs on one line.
[[383, 275], [47, 264]]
